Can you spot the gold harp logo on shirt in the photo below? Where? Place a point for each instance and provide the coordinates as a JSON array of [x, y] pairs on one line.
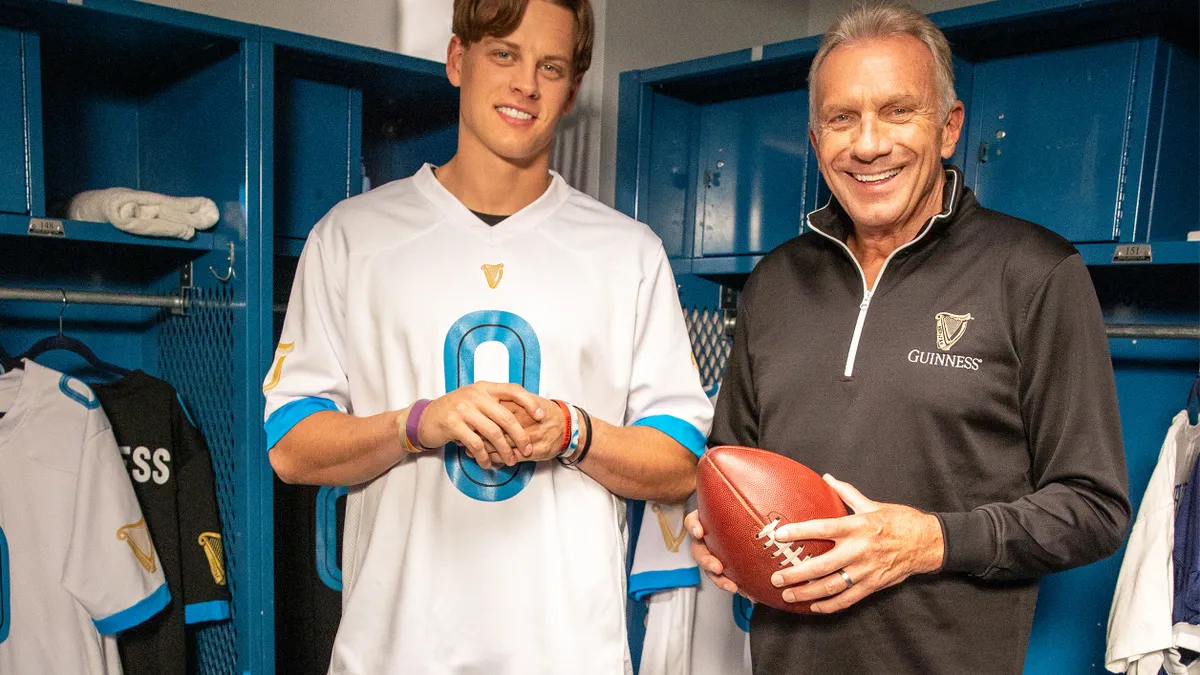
[[493, 274], [214, 550], [950, 329], [672, 536], [138, 538], [285, 348]]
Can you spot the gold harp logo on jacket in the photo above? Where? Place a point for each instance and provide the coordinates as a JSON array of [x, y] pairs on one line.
[[493, 274], [214, 550], [285, 348], [672, 536], [138, 538], [950, 329]]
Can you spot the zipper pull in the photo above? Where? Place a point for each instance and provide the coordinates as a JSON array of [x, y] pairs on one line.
[[866, 302]]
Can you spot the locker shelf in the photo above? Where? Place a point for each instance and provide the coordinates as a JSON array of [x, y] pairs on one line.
[[1160, 252], [103, 233]]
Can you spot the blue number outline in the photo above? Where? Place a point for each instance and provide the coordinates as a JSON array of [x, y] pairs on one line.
[[524, 368], [329, 569], [5, 606], [743, 609]]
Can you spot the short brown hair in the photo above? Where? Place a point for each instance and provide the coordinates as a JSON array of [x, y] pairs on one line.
[[475, 20]]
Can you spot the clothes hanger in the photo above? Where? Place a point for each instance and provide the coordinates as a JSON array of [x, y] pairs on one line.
[[7, 362], [66, 343], [1194, 399]]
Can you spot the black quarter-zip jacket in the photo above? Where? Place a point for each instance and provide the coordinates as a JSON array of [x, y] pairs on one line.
[[974, 383]]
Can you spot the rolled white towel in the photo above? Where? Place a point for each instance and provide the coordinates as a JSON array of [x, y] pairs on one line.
[[147, 213]]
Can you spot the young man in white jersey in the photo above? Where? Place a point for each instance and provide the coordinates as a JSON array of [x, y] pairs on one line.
[[491, 360]]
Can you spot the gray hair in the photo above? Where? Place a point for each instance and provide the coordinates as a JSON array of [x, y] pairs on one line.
[[884, 19]]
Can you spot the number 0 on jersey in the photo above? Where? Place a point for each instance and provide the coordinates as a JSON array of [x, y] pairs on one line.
[[524, 368]]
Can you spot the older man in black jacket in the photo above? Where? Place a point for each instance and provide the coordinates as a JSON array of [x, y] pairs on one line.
[[947, 360]]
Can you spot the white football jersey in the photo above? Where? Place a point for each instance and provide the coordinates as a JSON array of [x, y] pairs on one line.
[[1141, 639], [76, 560], [692, 627], [402, 293]]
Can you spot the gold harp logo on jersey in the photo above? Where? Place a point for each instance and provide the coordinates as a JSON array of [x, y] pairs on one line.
[[214, 550], [493, 274], [138, 538], [950, 329], [285, 348], [672, 536]]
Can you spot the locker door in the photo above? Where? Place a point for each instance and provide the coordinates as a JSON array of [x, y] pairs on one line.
[[318, 146], [1052, 135], [13, 176], [753, 173], [672, 155]]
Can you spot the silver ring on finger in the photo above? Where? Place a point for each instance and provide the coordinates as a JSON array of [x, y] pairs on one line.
[[846, 578]]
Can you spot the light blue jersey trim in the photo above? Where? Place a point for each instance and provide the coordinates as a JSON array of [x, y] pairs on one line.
[[281, 421], [133, 616], [200, 612], [186, 413], [645, 583], [685, 434]]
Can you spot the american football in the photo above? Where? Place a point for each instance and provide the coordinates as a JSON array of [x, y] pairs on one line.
[[742, 495]]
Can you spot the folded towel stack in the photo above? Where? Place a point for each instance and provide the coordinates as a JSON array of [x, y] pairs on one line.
[[147, 213]]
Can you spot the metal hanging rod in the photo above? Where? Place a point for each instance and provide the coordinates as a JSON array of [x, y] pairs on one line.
[[172, 302], [1113, 330], [1150, 330]]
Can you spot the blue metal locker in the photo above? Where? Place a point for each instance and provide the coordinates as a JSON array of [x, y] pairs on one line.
[[318, 151], [754, 155], [1052, 133], [14, 172], [669, 203]]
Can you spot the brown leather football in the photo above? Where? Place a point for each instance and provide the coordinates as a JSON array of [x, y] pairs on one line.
[[742, 495]]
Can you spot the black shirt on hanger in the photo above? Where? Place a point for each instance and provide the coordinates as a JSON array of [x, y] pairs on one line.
[[172, 474]]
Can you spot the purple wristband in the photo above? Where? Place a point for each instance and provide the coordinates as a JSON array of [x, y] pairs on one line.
[[414, 419]]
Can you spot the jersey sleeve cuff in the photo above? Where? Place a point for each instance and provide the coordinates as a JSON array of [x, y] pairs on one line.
[[647, 583], [682, 432], [201, 612], [135, 615], [969, 540], [281, 421]]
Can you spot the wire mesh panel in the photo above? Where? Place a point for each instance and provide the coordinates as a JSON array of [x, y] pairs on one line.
[[709, 344], [196, 356]]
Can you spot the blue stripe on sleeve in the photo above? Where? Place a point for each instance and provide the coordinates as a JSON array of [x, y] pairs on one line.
[[685, 434], [200, 612], [645, 583], [281, 421], [133, 616]]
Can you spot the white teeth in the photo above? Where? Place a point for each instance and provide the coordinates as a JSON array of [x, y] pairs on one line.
[[873, 177], [514, 113]]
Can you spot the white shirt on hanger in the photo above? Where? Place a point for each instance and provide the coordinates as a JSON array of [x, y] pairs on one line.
[[76, 561], [1141, 638]]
